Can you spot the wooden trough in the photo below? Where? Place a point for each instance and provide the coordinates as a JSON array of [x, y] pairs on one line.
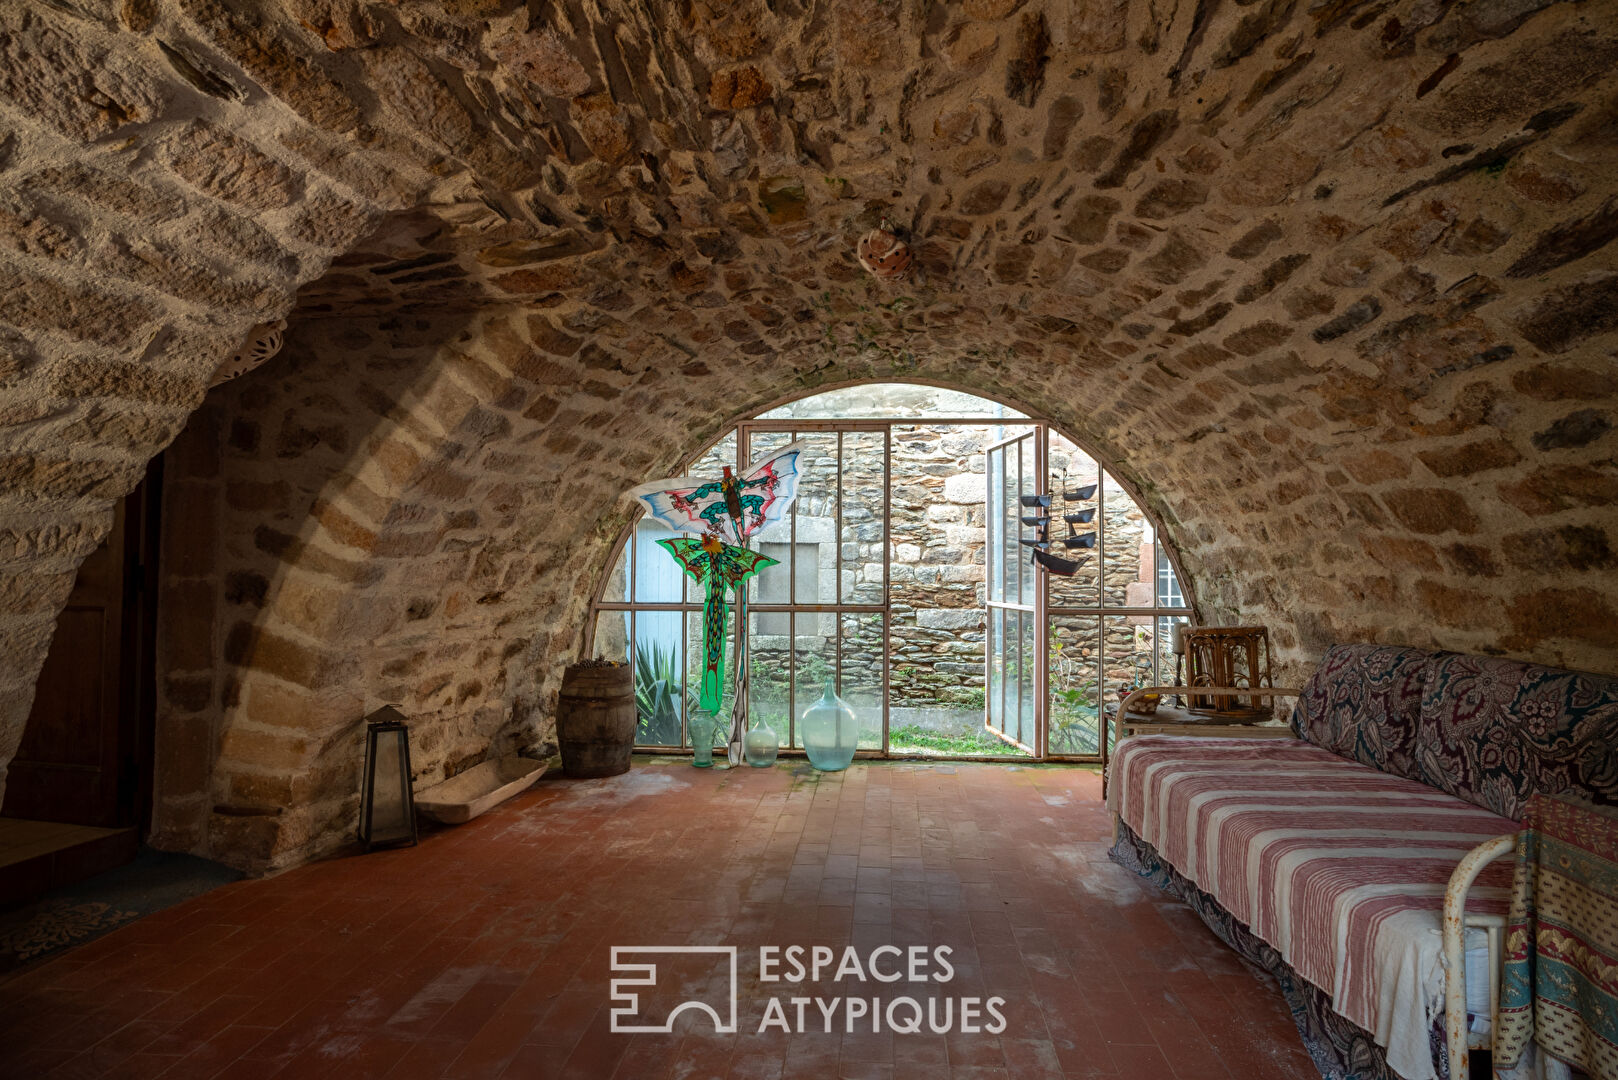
[[462, 798]]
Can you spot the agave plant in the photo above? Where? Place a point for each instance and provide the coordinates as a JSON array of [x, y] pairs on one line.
[[1073, 732], [657, 687]]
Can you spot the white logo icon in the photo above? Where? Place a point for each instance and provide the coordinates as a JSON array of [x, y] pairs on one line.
[[627, 1002]]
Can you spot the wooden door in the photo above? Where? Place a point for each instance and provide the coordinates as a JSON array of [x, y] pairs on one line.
[[85, 754]]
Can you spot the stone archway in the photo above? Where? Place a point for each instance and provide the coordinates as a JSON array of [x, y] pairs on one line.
[[434, 502], [1337, 277]]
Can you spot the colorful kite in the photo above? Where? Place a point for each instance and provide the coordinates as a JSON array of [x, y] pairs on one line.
[[730, 509], [717, 566], [727, 512]]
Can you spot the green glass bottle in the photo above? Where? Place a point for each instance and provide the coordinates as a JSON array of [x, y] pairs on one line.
[[701, 728]]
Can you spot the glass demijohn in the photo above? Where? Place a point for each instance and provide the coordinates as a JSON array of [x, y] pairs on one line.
[[830, 732], [761, 746]]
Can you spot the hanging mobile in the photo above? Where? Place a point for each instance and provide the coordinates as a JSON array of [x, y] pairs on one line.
[[1042, 557]]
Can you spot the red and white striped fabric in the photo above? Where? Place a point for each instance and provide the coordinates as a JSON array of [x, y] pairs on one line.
[[1340, 867]]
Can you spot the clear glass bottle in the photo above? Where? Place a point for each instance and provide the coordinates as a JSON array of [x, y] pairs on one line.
[[701, 728], [761, 746], [831, 732]]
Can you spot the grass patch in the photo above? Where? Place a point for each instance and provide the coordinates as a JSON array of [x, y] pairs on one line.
[[912, 737]]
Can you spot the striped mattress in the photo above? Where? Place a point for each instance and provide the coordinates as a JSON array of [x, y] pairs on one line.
[[1338, 866]]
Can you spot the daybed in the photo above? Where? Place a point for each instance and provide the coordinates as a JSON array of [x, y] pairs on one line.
[[1326, 858]]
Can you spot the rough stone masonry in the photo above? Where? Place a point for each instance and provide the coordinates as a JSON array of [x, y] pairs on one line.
[[1330, 282]]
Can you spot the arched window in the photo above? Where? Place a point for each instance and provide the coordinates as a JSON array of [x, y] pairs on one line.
[[907, 580]]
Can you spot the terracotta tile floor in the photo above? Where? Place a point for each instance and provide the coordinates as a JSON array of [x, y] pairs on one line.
[[484, 952]]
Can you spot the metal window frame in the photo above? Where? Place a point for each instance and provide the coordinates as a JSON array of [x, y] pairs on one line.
[[1042, 610], [1028, 580]]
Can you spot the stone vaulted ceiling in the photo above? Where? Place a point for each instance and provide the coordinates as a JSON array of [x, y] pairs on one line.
[[1331, 282]]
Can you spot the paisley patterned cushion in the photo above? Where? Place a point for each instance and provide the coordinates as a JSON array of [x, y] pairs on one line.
[[1363, 703], [1495, 731]]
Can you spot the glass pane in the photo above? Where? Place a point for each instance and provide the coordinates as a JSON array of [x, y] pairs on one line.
[[797, 570], [696, 718], [1131, 578], [937, 693], [966, 531], [1027, 486], [611, 640], [1012, 528], [1014, 661], [935, 550], [1074, 504], [860, 652], [659, 678], [616, 589], [873, 401], [1127, 655], [1074, 665], [770, 671], [862, 483], [814, 573], [711, 465], [658, 576], [1025, 691], [996, 523], [996, 686], [1168, 672], [814, 660], [775, 540], [1168, 583]]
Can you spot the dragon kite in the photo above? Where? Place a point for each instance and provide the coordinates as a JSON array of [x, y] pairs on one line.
[[727, 512]]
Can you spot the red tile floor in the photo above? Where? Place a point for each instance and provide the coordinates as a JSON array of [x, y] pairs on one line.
[[484, 952]]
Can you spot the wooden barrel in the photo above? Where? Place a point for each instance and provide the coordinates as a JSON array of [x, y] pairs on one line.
[[595, 720]]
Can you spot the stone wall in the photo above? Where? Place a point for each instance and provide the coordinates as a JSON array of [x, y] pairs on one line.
[[338, 546], [1331, 288], [157, 205]]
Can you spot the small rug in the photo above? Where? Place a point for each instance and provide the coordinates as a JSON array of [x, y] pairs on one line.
[[87, 909]]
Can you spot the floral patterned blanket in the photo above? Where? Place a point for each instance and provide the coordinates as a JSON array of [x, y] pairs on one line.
[[1484, 729]]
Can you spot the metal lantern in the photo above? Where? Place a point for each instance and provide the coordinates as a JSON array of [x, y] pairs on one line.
[[388, 806]]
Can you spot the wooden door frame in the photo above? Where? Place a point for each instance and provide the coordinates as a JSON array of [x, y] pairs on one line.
[[122, 794], [137, 713]]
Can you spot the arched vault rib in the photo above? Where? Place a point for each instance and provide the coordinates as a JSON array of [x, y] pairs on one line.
[[1335, 284], [457, 522]]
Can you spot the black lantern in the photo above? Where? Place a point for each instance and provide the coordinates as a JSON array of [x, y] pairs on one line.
[[388, 806]]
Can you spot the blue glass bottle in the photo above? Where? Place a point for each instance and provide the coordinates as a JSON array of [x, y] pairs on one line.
[[831, 732]]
